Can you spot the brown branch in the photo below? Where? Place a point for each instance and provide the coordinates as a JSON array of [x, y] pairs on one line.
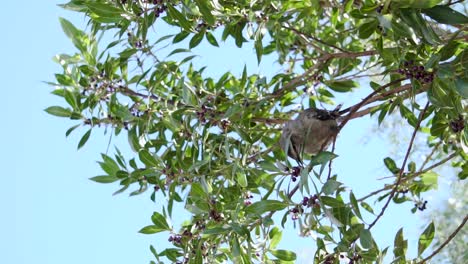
[[349, 55], [130, 92], [402, 169], [429, 157], [356, 107], [305, 36], [456, 2], [454, 233], [297, 81]]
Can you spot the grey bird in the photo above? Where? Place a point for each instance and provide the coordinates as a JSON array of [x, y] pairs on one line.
[[311, 131]]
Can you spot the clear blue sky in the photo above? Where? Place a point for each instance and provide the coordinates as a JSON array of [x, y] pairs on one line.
[[52, 213]]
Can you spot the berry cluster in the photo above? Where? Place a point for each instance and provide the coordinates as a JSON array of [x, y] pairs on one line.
[[457, 125], [421, 205], [307, 202], [355, 259], [412, 71], [224, 124], [295, 172], [217, 217], [160, 7], [175, 239], [200, 224], [296, 211], [201, 114], [247, 198], [311, 201]]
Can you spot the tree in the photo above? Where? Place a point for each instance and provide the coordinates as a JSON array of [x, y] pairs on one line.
[[211, 144]]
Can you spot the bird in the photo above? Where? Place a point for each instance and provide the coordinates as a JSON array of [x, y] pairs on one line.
[[312, 131]]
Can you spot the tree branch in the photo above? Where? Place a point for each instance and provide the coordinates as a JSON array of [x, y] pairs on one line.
[[402, 169], [356, 107], [410, 177], [454, 233]]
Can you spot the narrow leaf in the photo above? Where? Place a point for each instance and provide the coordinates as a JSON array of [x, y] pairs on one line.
[[285, 255], [261, 207], [426, 238], [59, 111], [445, 15], [366, 238], [84, 139], [104, 179], [160, 221]]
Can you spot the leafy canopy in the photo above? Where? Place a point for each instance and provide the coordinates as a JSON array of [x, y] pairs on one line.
[[210, 144]]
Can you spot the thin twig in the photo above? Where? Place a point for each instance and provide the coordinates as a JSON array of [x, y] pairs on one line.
[[299, 80], [456, 2], [296, 81], [305, 36], [429, 157], [402, 169], [454, 233], [330, 162], [410, 177]]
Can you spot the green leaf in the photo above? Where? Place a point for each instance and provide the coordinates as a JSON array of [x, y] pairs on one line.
[[408, 115], [391, 165], [64, 80], [400, 245], [178, 51], [285, 255], [401, 29], [322, 158], [415, 3], [73, 33], [332, 202], [181, 36], [425, 239], [216, 230], [367, 207], [365, 237], [71, 99], [71, 130], [196, 39], [268, 166], [414, 19], [104, 13], [366, 29], [461, 86], [147, 158], [151, 229], [445, 15], [104, 179], [175, 14], [236, 250], [259, 49], [330, 186], [275, 236], [430, 179], [84, 139], [341, 86], [109, 165], [261, 207], [59, 111], [160, 221], [355, 205], [205, 8], [211, 39], [241, 179]]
